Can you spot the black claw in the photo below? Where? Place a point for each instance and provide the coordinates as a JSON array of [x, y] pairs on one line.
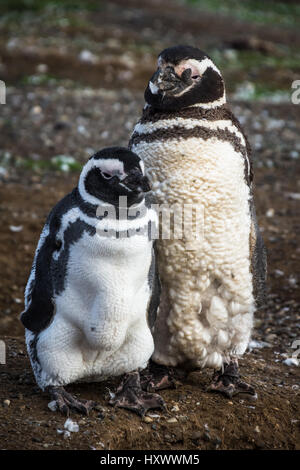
[[229, 383], [65, 402], [130, 395]]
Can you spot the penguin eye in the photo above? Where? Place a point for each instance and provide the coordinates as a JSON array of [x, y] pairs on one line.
[[187, 71], [106, 176]]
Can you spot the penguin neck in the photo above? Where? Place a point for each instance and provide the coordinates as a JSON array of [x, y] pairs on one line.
[[85, 206], [151, 114], [204, 107], [212, 105], [92, 210]]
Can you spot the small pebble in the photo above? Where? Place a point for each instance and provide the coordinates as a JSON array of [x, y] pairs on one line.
[[154, 415], [271, 337], [36, 110], [99, 408], [196, 435], [42, 68], [270, 213], [172, 420], [147, 419]]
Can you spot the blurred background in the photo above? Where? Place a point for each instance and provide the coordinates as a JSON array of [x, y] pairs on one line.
[[75, 72]]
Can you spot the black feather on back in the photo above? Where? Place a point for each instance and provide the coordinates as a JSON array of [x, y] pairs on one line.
[[40, 308], [50, 273], [39, 312]]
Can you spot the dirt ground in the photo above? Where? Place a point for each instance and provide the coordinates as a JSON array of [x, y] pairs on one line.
[[80, 107]]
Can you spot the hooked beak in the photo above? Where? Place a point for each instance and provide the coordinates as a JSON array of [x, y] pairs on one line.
[[163, 80], [137, 182], [166, 79]]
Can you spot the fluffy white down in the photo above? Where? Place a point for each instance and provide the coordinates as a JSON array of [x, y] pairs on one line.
[[207, 304], [100, 327]]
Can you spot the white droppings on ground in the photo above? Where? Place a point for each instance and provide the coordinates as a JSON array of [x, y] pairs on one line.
[[291, 361], [16, 228], [153, 415], [295, 196], [52, 405], [258, 345], [278, 273], [71, 426], [64, 433]]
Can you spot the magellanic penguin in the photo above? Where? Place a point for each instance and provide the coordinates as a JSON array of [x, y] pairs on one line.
[[196, 153], [93, 291]]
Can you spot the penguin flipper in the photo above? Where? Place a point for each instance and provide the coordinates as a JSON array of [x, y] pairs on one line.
[[39, 307], [258, 260], [38, 315], [155, 286]]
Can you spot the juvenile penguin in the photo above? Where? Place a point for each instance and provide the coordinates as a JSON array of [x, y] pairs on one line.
[[93, 291], [196, 153]]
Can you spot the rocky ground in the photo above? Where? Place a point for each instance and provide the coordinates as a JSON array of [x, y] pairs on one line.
[[75, 85]]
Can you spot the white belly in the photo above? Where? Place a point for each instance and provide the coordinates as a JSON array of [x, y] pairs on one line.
[[100, 327], [207, 302]]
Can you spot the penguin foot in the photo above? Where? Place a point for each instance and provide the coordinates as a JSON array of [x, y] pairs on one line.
[[228, 382], [130, 395], [65, 401], [157, 377]]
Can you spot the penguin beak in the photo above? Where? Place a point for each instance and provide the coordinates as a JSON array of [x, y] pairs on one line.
[[137, 182], [165, 80]]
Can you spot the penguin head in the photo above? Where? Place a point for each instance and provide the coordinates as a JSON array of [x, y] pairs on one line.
[[111, 173], [185, 76]]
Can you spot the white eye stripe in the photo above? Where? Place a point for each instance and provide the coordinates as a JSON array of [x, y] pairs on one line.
[[106, 165], [181, 68], [201, 65], [111, 166]]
